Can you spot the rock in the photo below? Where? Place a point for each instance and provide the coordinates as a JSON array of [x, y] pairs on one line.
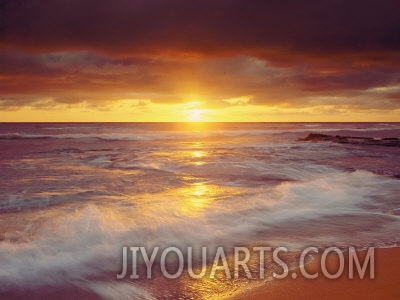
[[316, 136], [354, 140]]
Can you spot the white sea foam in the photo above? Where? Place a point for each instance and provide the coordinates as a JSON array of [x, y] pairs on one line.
[[66, 246], [117, 290]]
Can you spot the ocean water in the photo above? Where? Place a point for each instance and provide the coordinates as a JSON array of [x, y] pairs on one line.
[[73, 194]]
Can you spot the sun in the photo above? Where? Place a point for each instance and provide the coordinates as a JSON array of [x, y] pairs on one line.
[[195, 114]]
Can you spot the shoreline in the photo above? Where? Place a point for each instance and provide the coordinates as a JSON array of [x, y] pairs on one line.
[[385, 285]]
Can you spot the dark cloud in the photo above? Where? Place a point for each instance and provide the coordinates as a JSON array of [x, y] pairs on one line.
[[395, 96], [319, 81], [206, 26], [79, 72]]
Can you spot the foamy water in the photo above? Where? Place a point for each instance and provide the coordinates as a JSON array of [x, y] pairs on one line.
[[72, 195]]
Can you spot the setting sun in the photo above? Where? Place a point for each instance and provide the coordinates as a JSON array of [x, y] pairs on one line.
[[195, 115]]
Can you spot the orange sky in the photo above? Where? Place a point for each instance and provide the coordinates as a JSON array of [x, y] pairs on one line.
[[176, 60]]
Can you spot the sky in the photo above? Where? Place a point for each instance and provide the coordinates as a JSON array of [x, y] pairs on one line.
[[200, 60]]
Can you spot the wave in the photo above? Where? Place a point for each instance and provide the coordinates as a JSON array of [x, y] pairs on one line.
[[61, 246], [177, 135]]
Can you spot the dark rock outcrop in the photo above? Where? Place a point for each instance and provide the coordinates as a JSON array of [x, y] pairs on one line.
[[355, 140]]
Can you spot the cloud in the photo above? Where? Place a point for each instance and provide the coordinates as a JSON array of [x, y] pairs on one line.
[[277, 53], [76, 77], [205, 27]]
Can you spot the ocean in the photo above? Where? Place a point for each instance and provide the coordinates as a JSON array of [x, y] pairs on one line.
[[72, 195]]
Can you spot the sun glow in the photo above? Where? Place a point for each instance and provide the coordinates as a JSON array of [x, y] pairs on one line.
[[195, 114]]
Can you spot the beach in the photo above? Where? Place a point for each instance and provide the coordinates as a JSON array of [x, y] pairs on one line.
[[385, 285]]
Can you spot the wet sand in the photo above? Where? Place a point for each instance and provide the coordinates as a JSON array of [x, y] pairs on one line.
[[385, 285]]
